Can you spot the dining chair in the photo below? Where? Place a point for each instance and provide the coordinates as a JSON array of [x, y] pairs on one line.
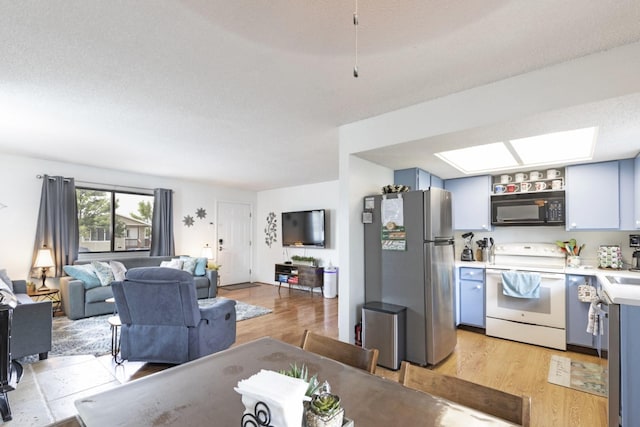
[[510, 407], [349, 354]]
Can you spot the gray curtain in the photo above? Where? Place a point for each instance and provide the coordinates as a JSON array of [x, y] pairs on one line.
[[57, 226], [162, 223]]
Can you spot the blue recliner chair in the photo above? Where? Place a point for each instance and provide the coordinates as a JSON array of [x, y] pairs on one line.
[[161, 320]]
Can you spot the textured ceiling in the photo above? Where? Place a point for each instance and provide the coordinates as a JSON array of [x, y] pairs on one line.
[[250, 94]]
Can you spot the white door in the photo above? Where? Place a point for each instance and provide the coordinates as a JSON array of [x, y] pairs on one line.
[[234, 242]]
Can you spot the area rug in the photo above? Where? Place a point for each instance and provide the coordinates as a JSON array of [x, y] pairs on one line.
[[238, 286], [92, 335], [582, 376]]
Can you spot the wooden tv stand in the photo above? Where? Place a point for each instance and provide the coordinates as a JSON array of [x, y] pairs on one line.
[[301, 275]]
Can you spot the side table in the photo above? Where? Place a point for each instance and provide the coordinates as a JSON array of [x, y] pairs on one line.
[[48, 294], [115, 323]]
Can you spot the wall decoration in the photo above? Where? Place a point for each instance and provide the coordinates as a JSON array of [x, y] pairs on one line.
[[201, 213], [188, 221], [270, 230]]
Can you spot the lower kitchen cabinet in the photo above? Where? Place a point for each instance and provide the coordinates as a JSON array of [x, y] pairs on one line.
[[578, 315], [629, 367], [471, 291]]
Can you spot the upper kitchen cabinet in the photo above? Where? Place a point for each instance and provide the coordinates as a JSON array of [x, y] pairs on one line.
[[416, 179], [471, 207], [628, 196], [636, 181], [593, 196]]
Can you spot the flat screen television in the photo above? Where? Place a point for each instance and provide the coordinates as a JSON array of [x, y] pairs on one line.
[[303, 229]]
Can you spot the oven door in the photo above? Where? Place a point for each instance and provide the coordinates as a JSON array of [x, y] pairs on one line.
[[548, 310]]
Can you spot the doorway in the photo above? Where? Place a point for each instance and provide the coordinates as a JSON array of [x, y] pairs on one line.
[[234, 242]]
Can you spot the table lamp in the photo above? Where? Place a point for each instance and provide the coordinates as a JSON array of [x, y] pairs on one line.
[[207, 252], [44, 261]]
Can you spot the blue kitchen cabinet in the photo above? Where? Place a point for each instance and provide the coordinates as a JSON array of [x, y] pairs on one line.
[[471, 202], [629, 367], [593, 197], [472, 296], [636, 191], [578, 315], [627, 195], [416, 179]]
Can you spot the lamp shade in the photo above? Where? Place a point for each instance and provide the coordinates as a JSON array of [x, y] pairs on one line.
[[44, 258], [207, 252]]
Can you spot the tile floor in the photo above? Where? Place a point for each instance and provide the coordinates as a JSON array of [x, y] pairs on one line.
[[48, 388]]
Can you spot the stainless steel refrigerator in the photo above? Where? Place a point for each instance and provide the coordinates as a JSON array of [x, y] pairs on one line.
[[411, 265]]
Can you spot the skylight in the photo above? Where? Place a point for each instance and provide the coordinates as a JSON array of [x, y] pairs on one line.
[[552, 148], [480, 158]]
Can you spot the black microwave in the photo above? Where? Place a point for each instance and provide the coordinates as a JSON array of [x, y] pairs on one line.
[[546, 208]]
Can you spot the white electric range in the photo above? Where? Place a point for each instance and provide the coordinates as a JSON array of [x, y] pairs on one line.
[[540, 321]]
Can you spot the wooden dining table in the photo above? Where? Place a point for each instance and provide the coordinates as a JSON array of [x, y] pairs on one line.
[[201, 393]]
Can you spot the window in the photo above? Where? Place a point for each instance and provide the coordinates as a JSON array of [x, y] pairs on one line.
[[110, 221]]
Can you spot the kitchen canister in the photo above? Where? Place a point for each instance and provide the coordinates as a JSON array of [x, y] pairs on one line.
[[610, 257]]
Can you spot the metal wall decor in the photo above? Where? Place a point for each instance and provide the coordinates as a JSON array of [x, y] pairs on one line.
[[188, 221], [270, 230], [201, 213]]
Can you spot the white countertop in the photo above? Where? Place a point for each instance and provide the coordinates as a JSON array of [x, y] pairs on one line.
[[619, 294]]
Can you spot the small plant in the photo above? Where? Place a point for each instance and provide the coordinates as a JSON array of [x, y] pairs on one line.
[[303, 373], [213, 266], [325, 404], [308, 259], [324, 410]]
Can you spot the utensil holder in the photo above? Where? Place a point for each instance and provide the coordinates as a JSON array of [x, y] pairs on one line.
[[573, 261]]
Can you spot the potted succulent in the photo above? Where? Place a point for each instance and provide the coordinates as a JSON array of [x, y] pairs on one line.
[[303, 373], [324, 410]]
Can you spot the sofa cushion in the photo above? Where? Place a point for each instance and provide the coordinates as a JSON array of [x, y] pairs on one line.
[[84, 272], [4, 278], [98, 294], [201, 281], [119, 270], [188, 264], [23, 299], [174, 263], [103, 271], [201, 267], [7, 295]]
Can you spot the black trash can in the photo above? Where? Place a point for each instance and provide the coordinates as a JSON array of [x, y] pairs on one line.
[[384, 328]]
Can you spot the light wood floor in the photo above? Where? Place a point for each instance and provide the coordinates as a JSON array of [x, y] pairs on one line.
[[513, 367]]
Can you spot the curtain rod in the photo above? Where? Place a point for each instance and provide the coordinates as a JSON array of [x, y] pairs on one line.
[[51, 178], [105, 186]]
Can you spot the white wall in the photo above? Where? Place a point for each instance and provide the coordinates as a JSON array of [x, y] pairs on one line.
[[307, 197], [20, 191], [358, 178]]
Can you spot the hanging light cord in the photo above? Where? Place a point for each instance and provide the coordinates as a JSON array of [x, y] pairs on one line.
[[355, 24]]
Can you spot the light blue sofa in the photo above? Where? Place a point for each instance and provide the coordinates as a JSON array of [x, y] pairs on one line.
[[161, 320], [78, 302]]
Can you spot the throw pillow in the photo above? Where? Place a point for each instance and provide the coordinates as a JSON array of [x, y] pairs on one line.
[[84, 272], [4, 278], [201, 267], [119, 270], [103, 271], [188, 264], [174, 263], [5, 287], [7, 297]]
